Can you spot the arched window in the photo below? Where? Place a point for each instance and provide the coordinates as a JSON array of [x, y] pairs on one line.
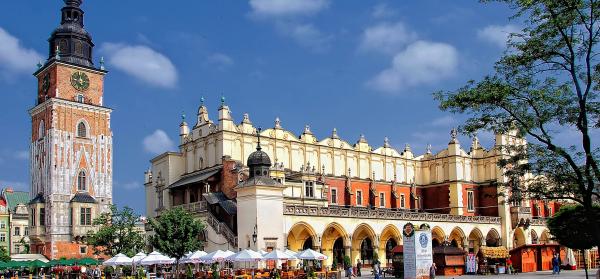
[[81, 181], [80, 98], [41, 130], [81, 130]]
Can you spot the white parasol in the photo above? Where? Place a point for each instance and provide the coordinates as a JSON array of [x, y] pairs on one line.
[[119, 259], [310, 254], [216, 256], [245, 256], [138, 257], [194, 257], [279, 255], [155, 258]]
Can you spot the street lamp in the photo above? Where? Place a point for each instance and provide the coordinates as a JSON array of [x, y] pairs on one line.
[[254, 235]]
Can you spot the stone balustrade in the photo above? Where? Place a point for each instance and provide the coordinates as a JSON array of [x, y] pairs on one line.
[[384, 213], [194, 207]]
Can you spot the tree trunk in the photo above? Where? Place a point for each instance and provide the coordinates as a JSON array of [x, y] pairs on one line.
[[585, 264]]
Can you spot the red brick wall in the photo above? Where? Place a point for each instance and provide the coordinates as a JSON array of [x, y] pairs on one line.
[[436, 199], [229, 178], [486, 199], [340, 186], [60, 77]]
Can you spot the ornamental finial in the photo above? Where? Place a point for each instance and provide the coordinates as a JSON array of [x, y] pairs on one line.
[[102, 63], [258, 137], [453, 135]]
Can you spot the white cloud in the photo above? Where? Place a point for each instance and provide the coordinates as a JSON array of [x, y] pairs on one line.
[[444, 121], [420, 63], [220, 61], [278, 8], [387, 37], [14, 58], [22, 155], [131, 185], [306, 35], [382, 10], [142, 63], [497, 34], [17, 185], [158, 142]]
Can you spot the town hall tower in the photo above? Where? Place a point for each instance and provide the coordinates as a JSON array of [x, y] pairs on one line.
[[71, 142]]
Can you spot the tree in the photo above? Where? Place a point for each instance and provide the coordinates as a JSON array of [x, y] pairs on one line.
[[117, 233], [4, 255], [545, 85], [176, 232], [571, 227]]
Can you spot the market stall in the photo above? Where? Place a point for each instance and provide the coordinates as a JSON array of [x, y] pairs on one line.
[[450, 260], [492, 260]]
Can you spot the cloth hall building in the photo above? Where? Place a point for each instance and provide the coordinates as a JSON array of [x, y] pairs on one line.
[[341, 198]]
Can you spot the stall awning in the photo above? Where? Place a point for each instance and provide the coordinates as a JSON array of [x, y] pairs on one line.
[[494, 252], [196, 177]]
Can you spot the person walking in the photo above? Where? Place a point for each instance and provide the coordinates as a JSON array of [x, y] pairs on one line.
[[358, 267], [555, 265], [432, 271]]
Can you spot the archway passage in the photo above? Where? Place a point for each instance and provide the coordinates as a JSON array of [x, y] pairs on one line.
[[389, 246], [518, 238], [308, 244], [437, 236], [363, 244], [366, 251], [301, 235], [338, 251], [475, 240], [457, 237], [492, 239], [334, 244]]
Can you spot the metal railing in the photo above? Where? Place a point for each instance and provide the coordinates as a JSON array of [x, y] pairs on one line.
[[221, 228], [194, 207]]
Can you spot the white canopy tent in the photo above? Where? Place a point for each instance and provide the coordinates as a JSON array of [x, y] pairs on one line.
[[119, 259], [245, 256], [279, 255], [310, 254], [155, 258], [138, 257], [194, 257], [216, 256]]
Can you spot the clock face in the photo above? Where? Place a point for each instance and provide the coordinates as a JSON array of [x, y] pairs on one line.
[[46, 83], [80, 81]]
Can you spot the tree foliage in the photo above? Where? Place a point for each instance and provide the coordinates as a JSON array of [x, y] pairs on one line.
[[117, 233], [544, 89], [176, 232], [571, 227], [4, 255]]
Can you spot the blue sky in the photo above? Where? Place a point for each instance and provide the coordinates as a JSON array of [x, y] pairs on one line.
[[360, 66]]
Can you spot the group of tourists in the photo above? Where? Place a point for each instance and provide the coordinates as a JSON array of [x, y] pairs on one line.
[[357, 272]]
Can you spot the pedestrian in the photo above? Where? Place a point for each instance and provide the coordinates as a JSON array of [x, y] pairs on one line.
[[432, 271], [349, 271], [358, 267], [555, 265]]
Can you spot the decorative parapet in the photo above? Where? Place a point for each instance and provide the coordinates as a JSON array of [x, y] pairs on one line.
[[538, 222], [384, 213]]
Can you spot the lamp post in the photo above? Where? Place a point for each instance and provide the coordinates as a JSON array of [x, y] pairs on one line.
[[254, 236]]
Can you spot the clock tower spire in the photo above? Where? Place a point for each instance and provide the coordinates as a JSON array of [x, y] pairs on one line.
[[71, 143]]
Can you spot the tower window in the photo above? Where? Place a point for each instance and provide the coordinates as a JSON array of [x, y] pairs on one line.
[[402, 201], [41, 130], [80, 98], [470, 201], [309, 190], [333, 196], [358, 197], [81, 130], [81, 182], [42, 216], [85, 216]]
